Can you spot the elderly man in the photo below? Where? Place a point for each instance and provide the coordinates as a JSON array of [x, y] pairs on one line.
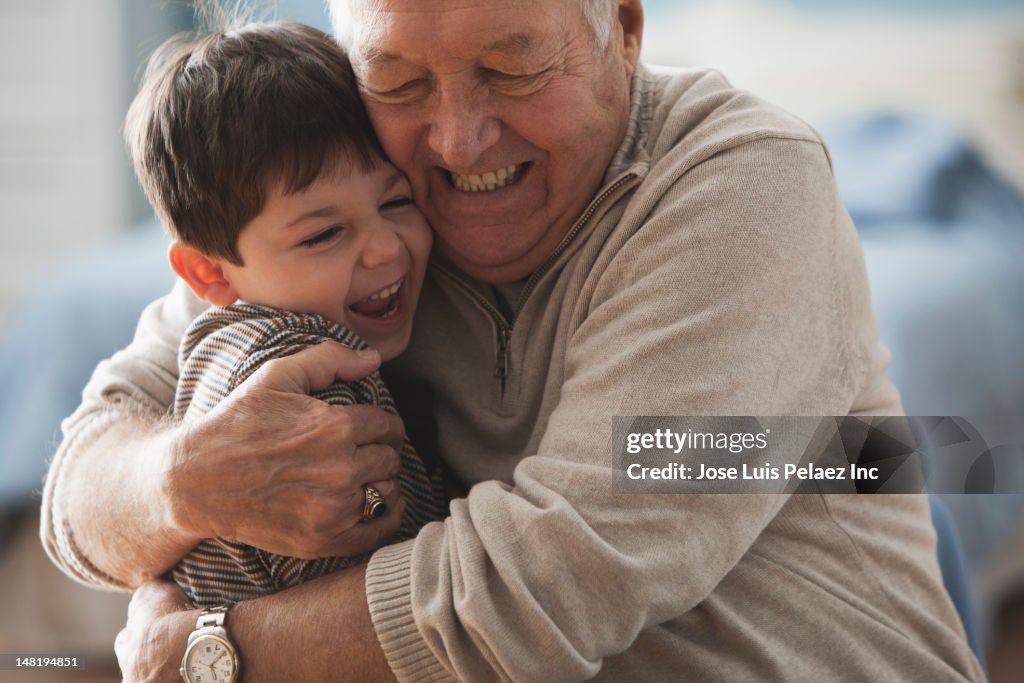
[[610, 242]]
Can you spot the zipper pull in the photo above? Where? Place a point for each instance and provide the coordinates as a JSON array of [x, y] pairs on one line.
[[501, 367]]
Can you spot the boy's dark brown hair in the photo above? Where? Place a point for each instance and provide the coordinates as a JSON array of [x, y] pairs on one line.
[[220, 118]]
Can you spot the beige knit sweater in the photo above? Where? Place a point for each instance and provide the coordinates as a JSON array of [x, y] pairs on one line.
[[715, 273]]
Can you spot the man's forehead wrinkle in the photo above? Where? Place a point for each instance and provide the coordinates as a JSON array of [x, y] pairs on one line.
[[432, 35], [574, 57], [433, 6], [512, 43]]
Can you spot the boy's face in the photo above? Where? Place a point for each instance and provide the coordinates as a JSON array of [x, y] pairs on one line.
[[351, 247]]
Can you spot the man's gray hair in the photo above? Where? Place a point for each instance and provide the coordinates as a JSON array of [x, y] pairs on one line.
[[598, 13]]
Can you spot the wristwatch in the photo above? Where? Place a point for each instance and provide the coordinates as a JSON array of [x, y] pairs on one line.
[[210, 656]]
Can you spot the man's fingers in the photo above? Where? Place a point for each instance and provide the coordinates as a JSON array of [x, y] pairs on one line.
[[317, 368], [366, 537], [374, 425], [375, 462]]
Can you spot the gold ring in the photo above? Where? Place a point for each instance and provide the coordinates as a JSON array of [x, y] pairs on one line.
[[375, 505]]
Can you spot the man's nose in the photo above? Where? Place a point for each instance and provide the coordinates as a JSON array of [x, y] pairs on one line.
[[382, 246], [462, 128]]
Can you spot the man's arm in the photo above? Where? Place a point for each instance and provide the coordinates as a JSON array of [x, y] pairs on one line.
[[128, 494], [113, 507], [279, 637], [105, 473]]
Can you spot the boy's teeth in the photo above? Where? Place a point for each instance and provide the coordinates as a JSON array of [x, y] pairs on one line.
[[485, 182], [386, 292], [380, 305]]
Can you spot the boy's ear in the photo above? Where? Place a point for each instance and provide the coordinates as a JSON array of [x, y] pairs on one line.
[[204, 275]]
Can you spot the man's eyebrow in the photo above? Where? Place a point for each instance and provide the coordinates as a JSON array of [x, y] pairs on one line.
[[514, 43], [375, 57]]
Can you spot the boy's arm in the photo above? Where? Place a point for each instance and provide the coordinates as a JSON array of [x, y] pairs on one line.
[[127, 495]]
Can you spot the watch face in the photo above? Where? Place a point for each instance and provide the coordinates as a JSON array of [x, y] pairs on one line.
[[210, 660]]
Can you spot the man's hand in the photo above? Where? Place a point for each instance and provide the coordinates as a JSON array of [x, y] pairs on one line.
[[150, 646], [274, 468]]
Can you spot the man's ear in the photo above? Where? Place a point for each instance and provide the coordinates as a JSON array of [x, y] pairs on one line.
[[204, 275], [630, 21]]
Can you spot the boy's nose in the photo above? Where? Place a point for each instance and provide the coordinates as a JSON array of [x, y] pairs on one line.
[[382, 246]]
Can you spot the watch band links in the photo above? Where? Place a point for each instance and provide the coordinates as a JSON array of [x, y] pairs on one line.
[[212, 616]]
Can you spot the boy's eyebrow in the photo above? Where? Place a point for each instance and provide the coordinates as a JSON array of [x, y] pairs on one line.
[[393, 180], [330, 209], [322, 212]]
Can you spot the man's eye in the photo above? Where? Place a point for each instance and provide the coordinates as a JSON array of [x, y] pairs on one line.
[[405, 91], [510, 79], [504, 76], [321, 237], [396, 203]]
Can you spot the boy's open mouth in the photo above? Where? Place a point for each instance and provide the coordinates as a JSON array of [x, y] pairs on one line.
[[382, 304]]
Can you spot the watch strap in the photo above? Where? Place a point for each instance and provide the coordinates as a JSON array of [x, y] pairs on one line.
[[212, 616]]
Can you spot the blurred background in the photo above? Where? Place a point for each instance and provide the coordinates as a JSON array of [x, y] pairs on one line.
[[921, 102]]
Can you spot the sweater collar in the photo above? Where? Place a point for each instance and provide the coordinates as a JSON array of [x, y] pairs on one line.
[[632, 152]]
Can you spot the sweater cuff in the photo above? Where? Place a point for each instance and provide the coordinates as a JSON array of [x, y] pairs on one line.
[[55, 530], [389, 594]]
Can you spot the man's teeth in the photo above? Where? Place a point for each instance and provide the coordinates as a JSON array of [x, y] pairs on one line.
[[485, 182], [386, 292]]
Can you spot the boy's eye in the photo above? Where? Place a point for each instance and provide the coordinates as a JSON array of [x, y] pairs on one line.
[[396, 203], [321, 237]]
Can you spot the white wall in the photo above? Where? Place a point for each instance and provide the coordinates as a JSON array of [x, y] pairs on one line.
[[62, 174], [965, 69]]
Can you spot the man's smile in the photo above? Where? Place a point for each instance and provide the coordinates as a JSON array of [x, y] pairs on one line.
[[488, 181]]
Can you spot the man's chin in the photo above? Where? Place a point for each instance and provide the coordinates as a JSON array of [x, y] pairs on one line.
[[496, 272]]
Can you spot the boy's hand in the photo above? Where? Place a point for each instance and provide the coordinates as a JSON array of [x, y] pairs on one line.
[[276, 469]]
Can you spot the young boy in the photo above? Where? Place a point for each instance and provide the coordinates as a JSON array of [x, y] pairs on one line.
[[256, 152]]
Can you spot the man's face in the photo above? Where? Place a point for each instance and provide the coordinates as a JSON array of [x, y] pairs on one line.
[[502, 114]]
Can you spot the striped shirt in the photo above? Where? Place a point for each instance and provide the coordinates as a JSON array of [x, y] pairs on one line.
[[220, 350]]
